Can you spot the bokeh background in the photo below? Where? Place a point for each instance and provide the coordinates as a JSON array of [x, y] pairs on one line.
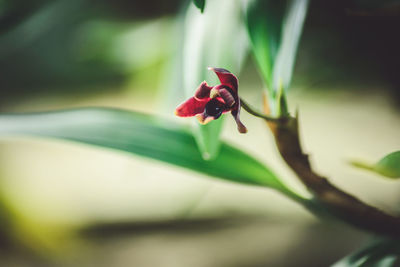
[[65, 204]]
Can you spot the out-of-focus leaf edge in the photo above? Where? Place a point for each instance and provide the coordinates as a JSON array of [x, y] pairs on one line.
[[274, 29], [142, 135], [200, 4], [382, 252], [388, 166]]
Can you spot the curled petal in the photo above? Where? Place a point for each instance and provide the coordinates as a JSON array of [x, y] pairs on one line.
[[241, 127], [203, 91], [227, 97], [191, 107], [236, 114], [226, 78]]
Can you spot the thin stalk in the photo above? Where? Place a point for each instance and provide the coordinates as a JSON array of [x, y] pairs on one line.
[[250, 110]]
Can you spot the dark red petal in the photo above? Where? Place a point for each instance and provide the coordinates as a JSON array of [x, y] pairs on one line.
[[226, 78], [191, 107], [236, 114], [227, 97], [203, 91]]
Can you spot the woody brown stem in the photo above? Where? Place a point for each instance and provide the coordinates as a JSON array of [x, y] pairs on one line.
[[341, 204]]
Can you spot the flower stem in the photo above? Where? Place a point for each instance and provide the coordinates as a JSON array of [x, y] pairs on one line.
[[250, 110]]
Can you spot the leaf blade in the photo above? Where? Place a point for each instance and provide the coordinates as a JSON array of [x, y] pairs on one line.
[[388, 166], [142, 135], [383, 252], [291, 32], [275, 28], [200, 4], [263, 22]]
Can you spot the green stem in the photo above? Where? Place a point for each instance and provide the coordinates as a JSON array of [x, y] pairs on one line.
[[250, 110]]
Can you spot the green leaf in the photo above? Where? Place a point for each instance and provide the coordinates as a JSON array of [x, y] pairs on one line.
[[216, 38], [388, 166], [275, 29], [200, 4], [292, 29], [142, 135], [381, 253], [264, 21], [281, 103], [207, 138]]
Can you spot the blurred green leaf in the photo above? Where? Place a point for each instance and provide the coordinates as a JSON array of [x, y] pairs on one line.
[[200, 4], [382, 253], [216, 38], [142, 135], [388, 166], [275, 28], [292, 29], [281, 102], [264, 24], [80, 46], [208, 138]]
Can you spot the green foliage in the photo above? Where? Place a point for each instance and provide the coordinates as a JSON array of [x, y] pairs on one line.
[[274, 29], [216, 38], [388, 166], [264, 24], [142, 135], [292, 28], [207, 137], [281, 102], [200, 4], [382, 253]]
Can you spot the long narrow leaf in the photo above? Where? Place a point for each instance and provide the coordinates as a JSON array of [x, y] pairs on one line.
[[200, 4], [291, 33], [382, 253], [275, 29], [264, 21], [142, 135], [388, 166]]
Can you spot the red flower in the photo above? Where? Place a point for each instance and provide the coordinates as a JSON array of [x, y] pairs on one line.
[[209, 103]]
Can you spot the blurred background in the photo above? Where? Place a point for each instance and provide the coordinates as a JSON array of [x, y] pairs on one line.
[[64, 204]]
